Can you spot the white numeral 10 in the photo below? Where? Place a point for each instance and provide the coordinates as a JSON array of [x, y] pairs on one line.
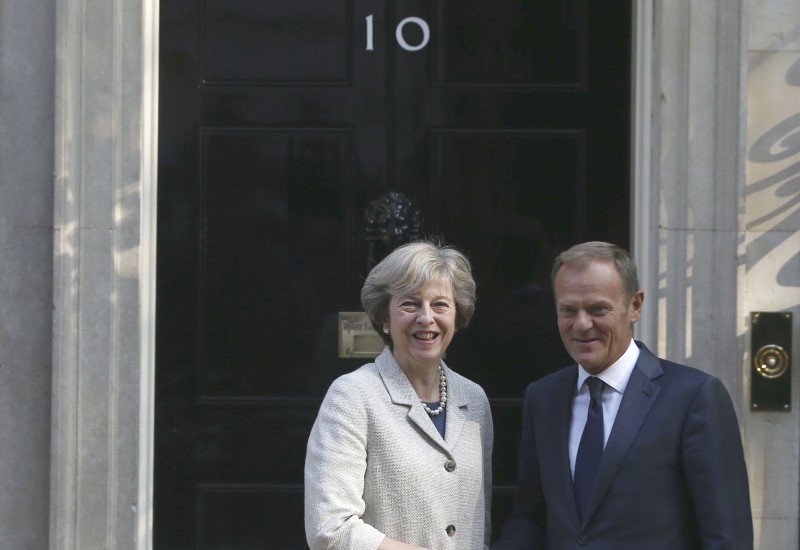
[[398, 33]]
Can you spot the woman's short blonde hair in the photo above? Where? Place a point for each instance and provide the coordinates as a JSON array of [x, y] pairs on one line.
[[407, 270]]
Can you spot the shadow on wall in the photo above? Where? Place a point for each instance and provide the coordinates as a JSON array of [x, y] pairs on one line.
[[774, 196], [779, 144]]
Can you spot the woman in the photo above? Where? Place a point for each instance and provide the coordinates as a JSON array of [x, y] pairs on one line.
[[400, 454]]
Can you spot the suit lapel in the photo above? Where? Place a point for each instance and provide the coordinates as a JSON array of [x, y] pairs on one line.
[[456, 403], [640, 394], [402, 393], [562, 397]]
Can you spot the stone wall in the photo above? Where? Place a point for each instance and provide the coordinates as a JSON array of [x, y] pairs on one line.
[[771, 272], [27, 68]]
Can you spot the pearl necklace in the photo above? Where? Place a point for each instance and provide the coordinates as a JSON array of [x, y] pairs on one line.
[[442, 395]]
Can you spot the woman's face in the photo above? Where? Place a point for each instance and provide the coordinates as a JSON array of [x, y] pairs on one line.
[[421, 325]]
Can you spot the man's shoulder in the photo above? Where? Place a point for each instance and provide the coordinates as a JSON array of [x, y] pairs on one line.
[[679, 379], [684, 372], [658, 367], [556, 379]]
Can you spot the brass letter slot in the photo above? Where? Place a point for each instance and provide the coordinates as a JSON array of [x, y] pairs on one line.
[[357, 338]]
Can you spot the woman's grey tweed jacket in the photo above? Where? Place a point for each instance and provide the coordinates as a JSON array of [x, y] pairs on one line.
[[376, 465]]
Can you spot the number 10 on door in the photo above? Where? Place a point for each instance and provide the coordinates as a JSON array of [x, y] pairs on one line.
[[398, 33]]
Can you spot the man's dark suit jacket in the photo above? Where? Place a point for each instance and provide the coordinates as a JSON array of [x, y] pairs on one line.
[[672, 476]]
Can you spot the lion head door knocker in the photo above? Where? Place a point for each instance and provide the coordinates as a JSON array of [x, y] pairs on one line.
[[390, 220]]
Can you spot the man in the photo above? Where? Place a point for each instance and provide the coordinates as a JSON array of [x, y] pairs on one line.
[[649, 459]]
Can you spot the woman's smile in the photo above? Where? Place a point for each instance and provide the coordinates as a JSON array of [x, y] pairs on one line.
[[422, 325]]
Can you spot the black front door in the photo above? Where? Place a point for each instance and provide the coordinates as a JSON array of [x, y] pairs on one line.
[[505, 123]]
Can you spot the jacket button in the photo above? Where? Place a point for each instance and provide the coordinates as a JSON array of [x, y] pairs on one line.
[[582, 540], [450, 465], [451, 530]]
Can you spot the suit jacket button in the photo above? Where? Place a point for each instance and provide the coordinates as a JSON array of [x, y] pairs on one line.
[[583, 539], [451, 530], [450, 465]]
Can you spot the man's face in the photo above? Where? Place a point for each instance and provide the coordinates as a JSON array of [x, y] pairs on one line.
[[594, 314]]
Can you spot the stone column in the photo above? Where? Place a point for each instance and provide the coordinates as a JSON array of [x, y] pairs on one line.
[[101, 299], [695, 233]]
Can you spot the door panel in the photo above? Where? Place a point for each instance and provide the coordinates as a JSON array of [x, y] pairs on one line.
[[275, 203], [511, 43], [279, 126], [276, 43]]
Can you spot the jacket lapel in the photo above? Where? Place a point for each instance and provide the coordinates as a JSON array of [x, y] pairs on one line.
[[402, 393], [560, 424], [456, 416], [640, 394]]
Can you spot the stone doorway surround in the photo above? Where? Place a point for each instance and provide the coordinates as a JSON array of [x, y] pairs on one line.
[[688, 150], [104, 273]]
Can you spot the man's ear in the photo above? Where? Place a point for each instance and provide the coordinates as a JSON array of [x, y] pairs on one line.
[[636, 305]]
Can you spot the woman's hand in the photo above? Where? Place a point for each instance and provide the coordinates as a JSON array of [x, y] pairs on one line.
[[391, 544]]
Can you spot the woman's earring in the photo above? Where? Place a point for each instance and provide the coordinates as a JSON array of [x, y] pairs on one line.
[[386, 330]]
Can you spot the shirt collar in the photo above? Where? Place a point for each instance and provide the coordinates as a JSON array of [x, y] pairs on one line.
[[618, 374]]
